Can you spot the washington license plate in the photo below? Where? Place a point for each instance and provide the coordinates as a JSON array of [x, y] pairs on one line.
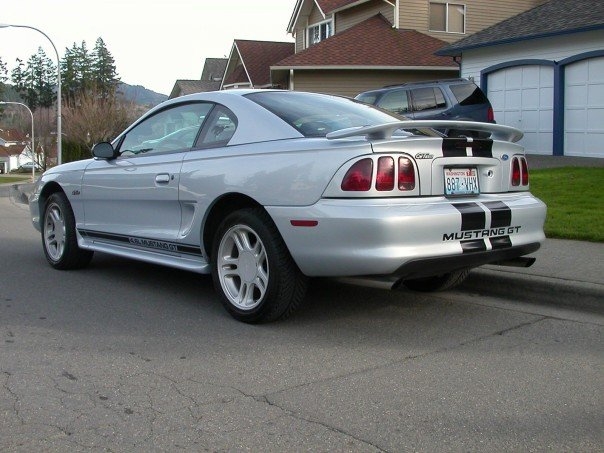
[[461, 181]]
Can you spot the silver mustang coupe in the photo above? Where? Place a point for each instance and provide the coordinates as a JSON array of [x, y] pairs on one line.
[[265, 188]]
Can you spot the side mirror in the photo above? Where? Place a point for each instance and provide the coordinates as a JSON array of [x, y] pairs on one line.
[[104, 150]]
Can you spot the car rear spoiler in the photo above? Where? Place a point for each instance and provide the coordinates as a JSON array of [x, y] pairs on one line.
[[386, 130]]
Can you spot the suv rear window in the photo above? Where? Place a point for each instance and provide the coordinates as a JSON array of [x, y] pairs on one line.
[[468, 94]]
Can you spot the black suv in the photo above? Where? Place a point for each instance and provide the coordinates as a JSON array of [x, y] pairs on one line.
[[456, 99]]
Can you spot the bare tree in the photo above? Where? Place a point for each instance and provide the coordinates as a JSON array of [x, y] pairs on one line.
[[91, 120]]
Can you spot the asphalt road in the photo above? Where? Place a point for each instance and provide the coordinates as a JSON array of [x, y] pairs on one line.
[[130, 357]]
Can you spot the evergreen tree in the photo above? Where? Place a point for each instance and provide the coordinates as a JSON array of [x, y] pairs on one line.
[[69, 77], [83, 68], [36, 81], [103, 66], [3, 76]]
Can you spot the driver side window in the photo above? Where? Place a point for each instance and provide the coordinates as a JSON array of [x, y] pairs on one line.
[[168, 130]]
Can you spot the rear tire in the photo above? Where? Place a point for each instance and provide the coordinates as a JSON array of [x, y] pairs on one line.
[[255, 275], [438, 282], [59, 238]]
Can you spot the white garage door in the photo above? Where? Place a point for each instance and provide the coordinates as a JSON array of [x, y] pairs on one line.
[[523, 97], [584, 108]]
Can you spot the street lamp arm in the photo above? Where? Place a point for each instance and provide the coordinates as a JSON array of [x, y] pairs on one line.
[[59, 99], [33, 146]]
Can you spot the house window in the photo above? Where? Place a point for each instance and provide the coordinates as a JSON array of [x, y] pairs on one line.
[[448, 17], [319, 32]]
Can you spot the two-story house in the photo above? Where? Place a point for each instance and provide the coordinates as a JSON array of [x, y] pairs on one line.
[[348, 46]]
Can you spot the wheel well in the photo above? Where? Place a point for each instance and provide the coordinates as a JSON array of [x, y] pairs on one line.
[[47, 191], [220, 209]]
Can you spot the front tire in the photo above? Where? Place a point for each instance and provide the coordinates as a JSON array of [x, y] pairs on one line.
[[252, 269], [59, 238], [438, 282]]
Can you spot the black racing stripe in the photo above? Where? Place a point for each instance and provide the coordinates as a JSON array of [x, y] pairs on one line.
[[476, 245], [501, 214], [455, 147], [482, 148], [500, 242], [473, 216], [179, 248]]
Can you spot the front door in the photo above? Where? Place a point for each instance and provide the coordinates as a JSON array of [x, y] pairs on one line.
[[135, 196]]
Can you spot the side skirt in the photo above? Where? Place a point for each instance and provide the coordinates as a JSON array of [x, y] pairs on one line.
[[152, 251]]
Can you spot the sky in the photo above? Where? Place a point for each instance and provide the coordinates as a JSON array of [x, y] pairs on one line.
[[154, 42]]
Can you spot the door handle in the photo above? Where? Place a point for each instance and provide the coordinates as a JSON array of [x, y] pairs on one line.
[[162, 178]]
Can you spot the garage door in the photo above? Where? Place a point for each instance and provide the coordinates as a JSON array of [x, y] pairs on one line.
[[584, 108], [523, 97]]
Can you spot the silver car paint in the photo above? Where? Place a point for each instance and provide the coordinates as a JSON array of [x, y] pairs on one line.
[[288, 175]]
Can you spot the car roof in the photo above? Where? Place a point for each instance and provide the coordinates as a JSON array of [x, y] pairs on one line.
[[418, 83]]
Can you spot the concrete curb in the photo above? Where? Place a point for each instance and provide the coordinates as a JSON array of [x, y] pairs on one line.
[[493, 282]]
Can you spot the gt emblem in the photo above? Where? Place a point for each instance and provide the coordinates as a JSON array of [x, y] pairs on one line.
[[75, 192], [424, 156]]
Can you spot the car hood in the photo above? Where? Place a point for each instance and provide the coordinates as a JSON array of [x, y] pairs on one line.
[[70, 166]]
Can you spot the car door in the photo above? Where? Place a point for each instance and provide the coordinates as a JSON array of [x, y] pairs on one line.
[[135, 196]]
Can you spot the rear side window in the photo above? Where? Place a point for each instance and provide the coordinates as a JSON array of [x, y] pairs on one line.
[[468, 94], [427, 98], [369, 98], [395, 101]]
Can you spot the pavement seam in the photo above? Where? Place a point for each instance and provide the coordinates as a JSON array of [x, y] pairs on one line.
[[298, 416], [469, 341]]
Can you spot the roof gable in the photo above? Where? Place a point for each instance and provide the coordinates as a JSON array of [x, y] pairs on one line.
[[372, 43], [325, 7], [213, 69], [556, 17], [256, 58]]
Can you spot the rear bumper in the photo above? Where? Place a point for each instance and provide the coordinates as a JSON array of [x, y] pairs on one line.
[[410, 237]]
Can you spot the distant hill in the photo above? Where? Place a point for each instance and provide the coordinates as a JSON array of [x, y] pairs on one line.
[[134, 93], [141, 95]]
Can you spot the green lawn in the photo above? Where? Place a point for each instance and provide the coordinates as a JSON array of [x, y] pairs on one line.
[[575, 201], [14, 179]]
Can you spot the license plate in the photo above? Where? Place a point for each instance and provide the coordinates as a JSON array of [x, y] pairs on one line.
[[461, 181]]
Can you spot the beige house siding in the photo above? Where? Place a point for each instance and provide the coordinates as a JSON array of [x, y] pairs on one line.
[[300, 43], [414, 14], [353, 16], [316, 16], [352, 82]]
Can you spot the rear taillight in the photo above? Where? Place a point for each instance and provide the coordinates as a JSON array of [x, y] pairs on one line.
[[525, 172], [385, 174], [394, 174], [358, 177], [490, 115], [520, 172], [406, 174]]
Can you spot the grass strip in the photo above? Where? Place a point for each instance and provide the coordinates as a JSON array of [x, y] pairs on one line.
[[575, 201]]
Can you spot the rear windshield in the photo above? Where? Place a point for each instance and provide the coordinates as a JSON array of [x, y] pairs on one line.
[[315, 115], [468, 94]]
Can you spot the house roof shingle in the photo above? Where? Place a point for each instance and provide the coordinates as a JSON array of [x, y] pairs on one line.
[[213, 69], [183, 87], [555, 17], [371, 43], [257, 57]]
